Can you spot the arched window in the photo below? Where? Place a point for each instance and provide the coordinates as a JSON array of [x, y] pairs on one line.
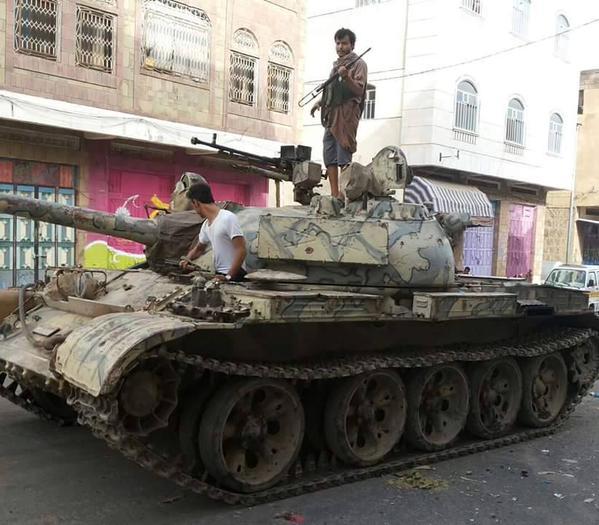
[[466, 107], [562, 37], [176, 39], [514, 128], [280, 73], [520, 17], [556, 125], [242, 67], [369, 102]]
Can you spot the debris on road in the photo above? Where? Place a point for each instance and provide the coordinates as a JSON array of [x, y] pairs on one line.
[[291, 517], [415, 480]]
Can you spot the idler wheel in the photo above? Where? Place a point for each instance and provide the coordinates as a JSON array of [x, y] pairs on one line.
[[583, 363], [495, 397], [545, 388], [251, 433], [365, 416], [437, 406], [148, 397]]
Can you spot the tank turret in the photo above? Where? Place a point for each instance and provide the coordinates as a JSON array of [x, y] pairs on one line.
[[370, 240]]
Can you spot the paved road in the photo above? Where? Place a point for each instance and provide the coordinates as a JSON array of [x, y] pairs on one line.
[[51, 475]]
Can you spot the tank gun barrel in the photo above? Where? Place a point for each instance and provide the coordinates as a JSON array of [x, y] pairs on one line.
[[138, 230]]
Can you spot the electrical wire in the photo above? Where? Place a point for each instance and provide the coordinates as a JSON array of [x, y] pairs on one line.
[[484, 57]]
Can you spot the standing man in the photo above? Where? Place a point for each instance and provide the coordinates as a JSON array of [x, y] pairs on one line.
[[221, 230], [341, 107]]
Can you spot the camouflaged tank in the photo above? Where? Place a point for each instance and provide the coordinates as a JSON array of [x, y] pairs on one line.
[[352, 349]]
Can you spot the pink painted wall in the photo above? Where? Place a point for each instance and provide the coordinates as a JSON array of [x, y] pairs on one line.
[[115, 178]]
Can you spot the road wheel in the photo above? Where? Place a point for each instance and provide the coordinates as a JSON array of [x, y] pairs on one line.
[[544, 387], [365, 416], [251, 433], [495, 397], [437, 406]]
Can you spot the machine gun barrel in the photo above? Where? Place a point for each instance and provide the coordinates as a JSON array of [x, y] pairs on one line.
[[138, 230], [270, 161]]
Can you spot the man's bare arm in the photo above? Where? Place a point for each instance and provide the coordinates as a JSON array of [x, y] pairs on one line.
[[195, 251], [240, 254]]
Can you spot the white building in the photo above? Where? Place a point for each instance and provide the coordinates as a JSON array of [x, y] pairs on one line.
[[477, 93]]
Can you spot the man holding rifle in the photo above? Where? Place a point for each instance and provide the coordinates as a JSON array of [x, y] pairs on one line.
[[341, 107]]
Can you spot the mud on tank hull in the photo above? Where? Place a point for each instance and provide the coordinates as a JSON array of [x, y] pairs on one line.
[[174, 392]]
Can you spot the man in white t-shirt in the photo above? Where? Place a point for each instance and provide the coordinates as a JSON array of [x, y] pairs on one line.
[[221, 230]]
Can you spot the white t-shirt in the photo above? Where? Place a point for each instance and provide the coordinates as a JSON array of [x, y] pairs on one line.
[[224, 228]]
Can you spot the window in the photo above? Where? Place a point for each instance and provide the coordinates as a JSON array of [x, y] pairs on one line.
[[94, 39], [562, 37], [556, 125], [369, 102], [472, 5], [514, 132], [520, 16], [176, 39], [280, 62], [36, 27], [581, 101], [242, 68], [466, 107]]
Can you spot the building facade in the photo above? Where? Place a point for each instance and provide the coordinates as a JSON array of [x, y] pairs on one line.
[[477, 93], [573, 234], [99, 100]]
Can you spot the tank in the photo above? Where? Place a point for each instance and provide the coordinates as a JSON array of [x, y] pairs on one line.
[[351, 350]]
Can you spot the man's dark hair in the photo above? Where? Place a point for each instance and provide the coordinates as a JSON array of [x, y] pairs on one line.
[[201, 193], [344, 32]]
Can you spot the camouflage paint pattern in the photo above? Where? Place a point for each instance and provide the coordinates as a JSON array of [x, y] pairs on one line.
[[94, 356], [443, 306], [139, 230], [419, 250]]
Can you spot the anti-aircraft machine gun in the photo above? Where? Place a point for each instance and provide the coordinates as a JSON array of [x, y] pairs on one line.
[[351, 343]]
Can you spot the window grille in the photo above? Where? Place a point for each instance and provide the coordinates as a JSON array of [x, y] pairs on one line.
[[556, 125], [176, 39], [94, 39], [242, 79], [472, 5], [36, 27], [514, 133], [562, 39], [279, 87], [369, 103], [279, 77], [520, 17], [242, 67], [466, 108]]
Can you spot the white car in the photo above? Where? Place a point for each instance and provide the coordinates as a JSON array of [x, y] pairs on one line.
[[577, 277]]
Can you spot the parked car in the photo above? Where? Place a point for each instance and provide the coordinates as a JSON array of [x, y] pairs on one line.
[[577, 277]]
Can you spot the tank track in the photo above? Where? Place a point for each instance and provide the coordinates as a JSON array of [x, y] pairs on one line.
[[311, 474], [19, 394]]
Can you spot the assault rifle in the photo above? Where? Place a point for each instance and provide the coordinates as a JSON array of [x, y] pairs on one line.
[[319, 89]]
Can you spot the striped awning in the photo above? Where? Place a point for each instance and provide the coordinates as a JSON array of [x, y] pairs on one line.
[[447, 197]]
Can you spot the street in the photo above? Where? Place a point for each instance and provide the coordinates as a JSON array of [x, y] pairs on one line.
[[51, 475]]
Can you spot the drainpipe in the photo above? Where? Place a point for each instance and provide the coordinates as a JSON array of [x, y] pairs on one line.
[[403, 80], [570, 236]]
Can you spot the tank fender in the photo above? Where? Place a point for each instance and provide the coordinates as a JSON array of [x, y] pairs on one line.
[[94, 356]]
